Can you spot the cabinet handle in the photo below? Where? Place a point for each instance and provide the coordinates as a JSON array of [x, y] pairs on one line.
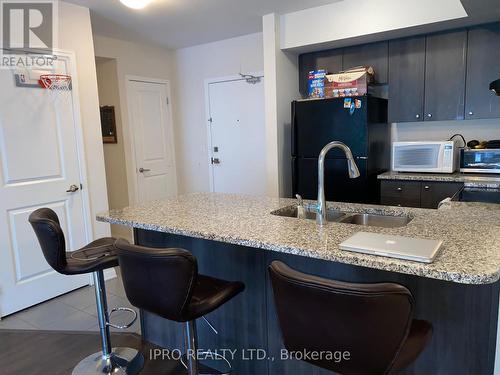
[[417, 116], [471, 113], [399, 189], [426, 187], [429, 115]]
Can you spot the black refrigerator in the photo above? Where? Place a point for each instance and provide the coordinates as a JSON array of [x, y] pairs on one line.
[[362, 125]]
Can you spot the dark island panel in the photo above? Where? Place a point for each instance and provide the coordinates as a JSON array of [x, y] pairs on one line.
[[464, 316], [241, 323]]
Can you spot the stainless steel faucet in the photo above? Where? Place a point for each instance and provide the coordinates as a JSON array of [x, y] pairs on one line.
[[352, 168]]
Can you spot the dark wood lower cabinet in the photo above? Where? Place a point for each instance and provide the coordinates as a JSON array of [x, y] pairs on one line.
[[434, 192], [421, 194], [464, 317]]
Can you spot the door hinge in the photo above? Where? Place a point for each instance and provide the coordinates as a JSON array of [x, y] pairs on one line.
[[215, 160], [210, 120], [168, 102], [81, 186]]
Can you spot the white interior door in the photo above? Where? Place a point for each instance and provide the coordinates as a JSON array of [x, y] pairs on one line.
[[238, 138], [152, 139], [38, 163]]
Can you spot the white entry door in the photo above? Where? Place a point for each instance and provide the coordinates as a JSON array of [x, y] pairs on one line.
[[39, 161], [238, 139], [152, 140]]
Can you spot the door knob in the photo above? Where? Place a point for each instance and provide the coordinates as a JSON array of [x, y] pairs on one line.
[[73, 188], [142, 170]]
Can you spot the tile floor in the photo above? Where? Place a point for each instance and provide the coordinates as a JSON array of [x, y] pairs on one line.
[[75, 311]]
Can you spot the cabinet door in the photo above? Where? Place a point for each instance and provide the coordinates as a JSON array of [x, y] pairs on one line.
[[406, 79], [330, 60], [374, 54], [483, 67], [434, 192], [400, 202], [400, 193], [445, 76]]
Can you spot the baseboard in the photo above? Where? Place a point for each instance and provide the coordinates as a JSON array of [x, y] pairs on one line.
[[110, 273]]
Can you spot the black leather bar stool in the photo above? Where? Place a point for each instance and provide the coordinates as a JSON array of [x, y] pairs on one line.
[[372, 322], [166, 282], [93, 258]]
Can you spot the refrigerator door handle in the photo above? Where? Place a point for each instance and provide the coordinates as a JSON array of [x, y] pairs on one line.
[[362, 157]]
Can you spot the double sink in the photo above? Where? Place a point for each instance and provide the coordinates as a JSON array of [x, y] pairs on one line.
[[364, 219]]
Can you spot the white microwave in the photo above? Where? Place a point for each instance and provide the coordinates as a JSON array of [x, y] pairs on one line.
[[432, 157]]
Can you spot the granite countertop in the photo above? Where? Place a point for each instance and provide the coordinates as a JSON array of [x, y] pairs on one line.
[[471, 231], [476, 180]]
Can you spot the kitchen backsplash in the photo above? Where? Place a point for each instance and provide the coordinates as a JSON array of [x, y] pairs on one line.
[[442, 130]]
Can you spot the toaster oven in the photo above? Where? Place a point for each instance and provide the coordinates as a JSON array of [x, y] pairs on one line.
[[480, 161]]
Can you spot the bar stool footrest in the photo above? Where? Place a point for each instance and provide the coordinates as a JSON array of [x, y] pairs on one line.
[[125, 326]]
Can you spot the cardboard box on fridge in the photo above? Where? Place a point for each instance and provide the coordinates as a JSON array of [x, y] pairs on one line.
[[353, 82]]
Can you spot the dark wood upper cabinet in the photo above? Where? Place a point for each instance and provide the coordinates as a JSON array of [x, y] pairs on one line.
[[483, 66], [306, 64], [406, 79], [331, 60], [374, 54], [442, 76], [445, 76]]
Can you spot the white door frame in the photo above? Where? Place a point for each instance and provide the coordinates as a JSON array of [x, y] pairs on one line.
[[209, 81], [128, 135], [89, 233]]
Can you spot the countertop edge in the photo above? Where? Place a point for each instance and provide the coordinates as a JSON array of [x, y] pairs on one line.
[[455, 277], [468, 179]]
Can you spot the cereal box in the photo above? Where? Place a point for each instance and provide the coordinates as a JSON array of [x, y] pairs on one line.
[[352, 82], [317, 83]]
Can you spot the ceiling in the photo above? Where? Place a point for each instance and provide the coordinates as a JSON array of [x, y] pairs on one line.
[[183, 23]]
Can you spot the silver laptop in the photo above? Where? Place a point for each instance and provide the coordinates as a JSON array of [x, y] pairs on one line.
[[387, 245]]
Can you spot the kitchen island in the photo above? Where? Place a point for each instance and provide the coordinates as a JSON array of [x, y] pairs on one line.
[[236, 237]]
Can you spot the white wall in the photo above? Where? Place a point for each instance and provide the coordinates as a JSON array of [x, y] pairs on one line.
[[114, 153], [131, 58], [193, 66], [281, 87], [340, 20], [442, 130], [75, 34]]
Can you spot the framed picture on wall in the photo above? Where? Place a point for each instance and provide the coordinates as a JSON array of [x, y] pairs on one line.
[[108, 124]]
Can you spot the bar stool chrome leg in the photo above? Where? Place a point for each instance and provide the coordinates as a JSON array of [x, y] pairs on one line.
[[126, 361], [190, 360], [192, 350]]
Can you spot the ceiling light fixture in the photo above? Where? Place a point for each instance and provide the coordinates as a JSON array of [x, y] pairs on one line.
[[136, 4]]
